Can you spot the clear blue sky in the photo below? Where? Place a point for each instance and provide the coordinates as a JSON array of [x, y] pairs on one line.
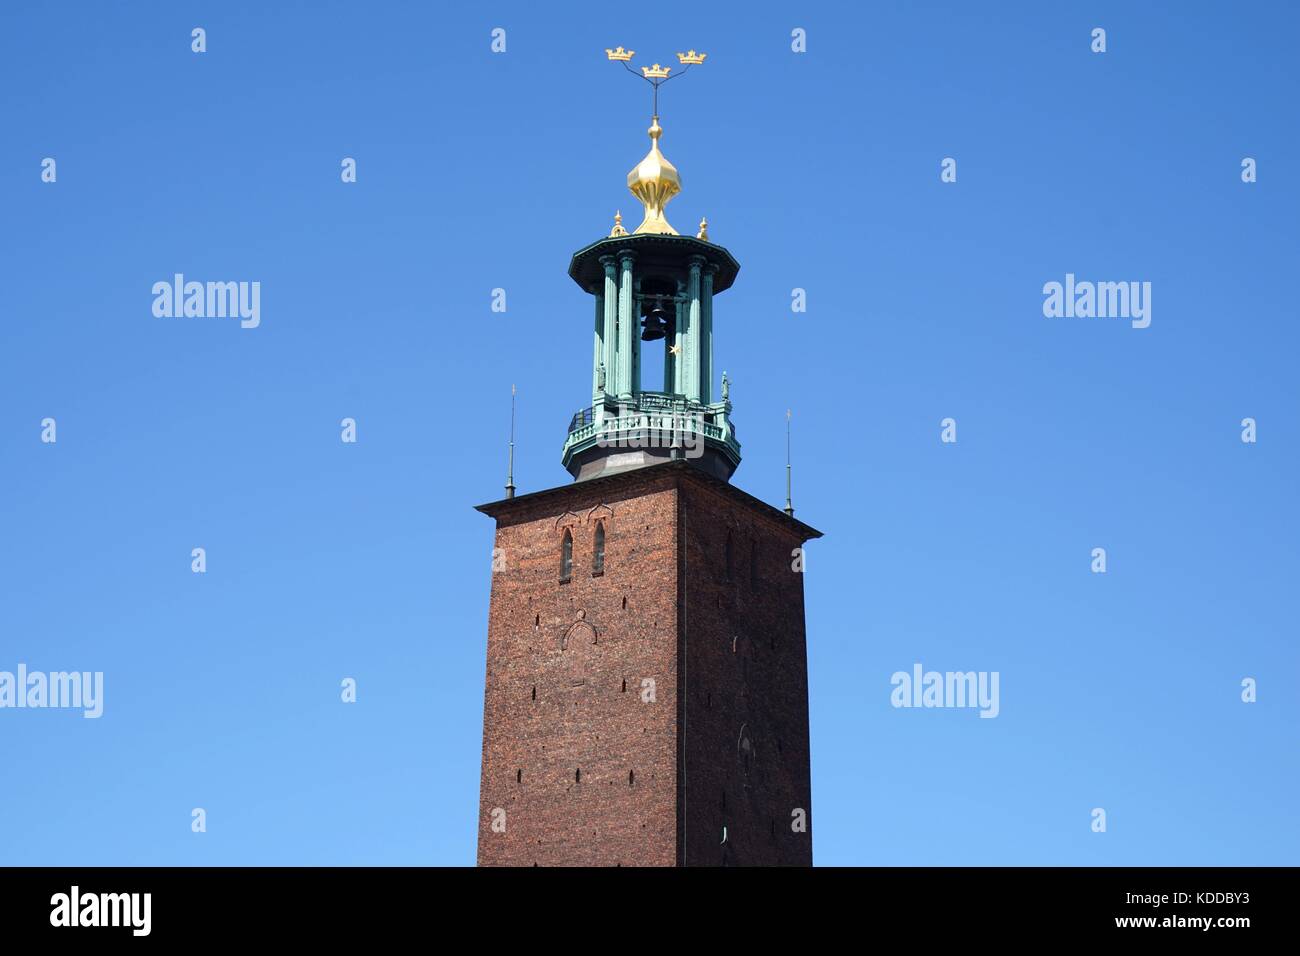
[[818, 171]]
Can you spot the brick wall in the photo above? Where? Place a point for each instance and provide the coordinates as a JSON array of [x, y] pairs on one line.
[[578, 645], [585, 768], [746, 680]]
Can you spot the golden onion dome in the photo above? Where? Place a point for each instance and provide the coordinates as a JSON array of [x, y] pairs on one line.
[[654, 181]]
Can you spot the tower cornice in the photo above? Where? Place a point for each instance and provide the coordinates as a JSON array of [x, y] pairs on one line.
[[586, 270], [668, 471]]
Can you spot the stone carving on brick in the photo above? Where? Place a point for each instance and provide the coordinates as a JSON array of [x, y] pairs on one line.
[[580, 632], [753, 770], [600, 511], [744, 747]]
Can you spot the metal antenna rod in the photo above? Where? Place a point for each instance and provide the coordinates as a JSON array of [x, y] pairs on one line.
[[789, 507], [510, 475]]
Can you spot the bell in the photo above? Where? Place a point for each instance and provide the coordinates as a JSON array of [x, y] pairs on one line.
[[655, 325]]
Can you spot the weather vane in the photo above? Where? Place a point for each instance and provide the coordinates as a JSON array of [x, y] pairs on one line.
[[654, 180], [655, 75]]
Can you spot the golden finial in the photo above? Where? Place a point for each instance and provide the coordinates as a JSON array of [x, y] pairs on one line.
[[618, 229], [654, 181], [704, 230]]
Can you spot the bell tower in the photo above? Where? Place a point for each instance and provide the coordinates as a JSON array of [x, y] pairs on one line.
[[646, 699], [653, 288]]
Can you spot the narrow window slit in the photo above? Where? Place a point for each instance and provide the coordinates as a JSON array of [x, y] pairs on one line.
[[566, 556], [598, 551]]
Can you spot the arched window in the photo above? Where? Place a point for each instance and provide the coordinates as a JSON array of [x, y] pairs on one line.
[[727, 559], [566, 556], [598, 553]]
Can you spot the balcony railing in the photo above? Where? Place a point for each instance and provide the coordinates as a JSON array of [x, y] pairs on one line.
[[652, 410], [584, 417]]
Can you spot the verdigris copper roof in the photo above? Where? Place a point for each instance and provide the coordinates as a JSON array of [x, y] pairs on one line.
[[586, 270]]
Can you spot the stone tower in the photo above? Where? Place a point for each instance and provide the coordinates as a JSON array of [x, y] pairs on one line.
[[646, 700]]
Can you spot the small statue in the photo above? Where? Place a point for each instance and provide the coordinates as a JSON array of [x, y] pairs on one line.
[[600, 376], [726, 387]]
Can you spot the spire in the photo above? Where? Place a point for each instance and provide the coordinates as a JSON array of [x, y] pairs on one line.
[[510, 474], [789, 506], [655, 182]]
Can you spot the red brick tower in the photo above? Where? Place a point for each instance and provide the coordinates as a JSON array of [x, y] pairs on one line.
[[646, 701]]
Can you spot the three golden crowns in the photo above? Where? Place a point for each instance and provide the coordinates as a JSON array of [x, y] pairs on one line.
[[656, 72]]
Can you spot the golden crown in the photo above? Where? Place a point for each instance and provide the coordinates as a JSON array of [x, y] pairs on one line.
[[655, 72], [619, 54], [692, 57]]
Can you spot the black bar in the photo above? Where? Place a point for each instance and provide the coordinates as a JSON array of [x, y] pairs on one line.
[[529, 908]]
